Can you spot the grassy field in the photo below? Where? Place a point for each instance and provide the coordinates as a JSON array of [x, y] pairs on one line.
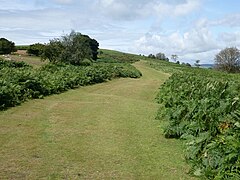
[[21, 55], [104, 131]]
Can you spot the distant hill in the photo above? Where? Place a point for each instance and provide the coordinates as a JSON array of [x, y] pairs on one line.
[[207, 65]]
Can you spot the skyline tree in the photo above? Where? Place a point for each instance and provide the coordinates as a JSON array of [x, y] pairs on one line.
[[228, 60]]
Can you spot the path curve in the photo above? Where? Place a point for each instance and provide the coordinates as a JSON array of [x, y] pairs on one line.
[[104, 131]]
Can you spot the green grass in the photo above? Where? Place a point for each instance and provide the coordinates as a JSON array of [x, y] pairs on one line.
[[106, 55], [104, 131]]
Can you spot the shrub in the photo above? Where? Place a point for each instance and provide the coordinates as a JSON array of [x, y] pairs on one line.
[[19, 81], [72, 49], [36, 49], [6, 46], [205, 112]]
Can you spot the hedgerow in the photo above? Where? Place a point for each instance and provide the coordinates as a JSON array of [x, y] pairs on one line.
[[19, 81], [203, 107]]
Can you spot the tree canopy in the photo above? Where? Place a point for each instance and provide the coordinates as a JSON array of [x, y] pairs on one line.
[[228, 60], [36, 49], [160, 56], [72, 48], [197, 63], [6, 46]]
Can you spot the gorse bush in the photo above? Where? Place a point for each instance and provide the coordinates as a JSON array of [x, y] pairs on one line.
[[203, 107], [19, 81]]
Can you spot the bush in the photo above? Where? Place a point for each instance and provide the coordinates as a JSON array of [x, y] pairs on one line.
[[12, 64], [19, 81], [205, 112], [36, 49], [6, 46], [72, 49], [86, 62]]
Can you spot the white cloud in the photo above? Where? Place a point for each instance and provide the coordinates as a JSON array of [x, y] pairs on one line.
[[182, 27], [183, 8], [16, 5], [201, 41], [64, 1], [230, 39], [187, 7], [130, 10], [204, 57], [194, 41], [191, 44], [232, 20]]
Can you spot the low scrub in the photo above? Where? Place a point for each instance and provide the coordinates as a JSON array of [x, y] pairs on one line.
[[203, 107], [19, 81]]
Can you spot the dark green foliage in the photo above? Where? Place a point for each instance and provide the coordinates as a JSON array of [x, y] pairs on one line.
[[152, 56], [12, 64], [203, 107], [72, 49], [19, 81], [6, 46], [93, 46], [86, 62], [22, 47], [53, 51], [36, 49]]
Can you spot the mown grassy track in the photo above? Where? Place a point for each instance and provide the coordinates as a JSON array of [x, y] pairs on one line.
[[104, 131]]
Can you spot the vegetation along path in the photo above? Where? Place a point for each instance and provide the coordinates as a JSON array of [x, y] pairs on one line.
[[104, 131]]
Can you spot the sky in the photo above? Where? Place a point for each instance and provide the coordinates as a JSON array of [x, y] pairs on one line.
[[192, 29]]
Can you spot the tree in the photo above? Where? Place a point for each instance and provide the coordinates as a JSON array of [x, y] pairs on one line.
[[167, 59], [186, 64], [76, 48], [93, 46], [161, 56], [189, 65], [6, 46], [151, 56], [72, 48], [197, 63], [228, 60], [53, 51], [36, 49], [174, 57]]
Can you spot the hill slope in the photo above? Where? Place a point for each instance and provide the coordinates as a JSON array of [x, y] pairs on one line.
[[104, 131]]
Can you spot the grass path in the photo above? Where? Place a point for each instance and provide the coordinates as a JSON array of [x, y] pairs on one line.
[[104, 131]]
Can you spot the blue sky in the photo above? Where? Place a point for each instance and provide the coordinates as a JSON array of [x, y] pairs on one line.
[[192, 29]]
